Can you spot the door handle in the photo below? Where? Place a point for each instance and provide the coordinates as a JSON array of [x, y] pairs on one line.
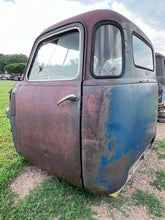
[[70, 97]]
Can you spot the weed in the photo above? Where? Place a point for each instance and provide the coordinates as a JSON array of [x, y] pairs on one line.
[[150, 200]]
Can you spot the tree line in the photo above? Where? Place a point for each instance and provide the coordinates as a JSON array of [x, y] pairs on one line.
[[13, 64]]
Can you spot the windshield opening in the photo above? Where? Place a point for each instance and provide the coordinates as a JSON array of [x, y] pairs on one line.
[[57, 59]]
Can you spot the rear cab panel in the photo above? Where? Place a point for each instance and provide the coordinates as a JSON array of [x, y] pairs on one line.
[[119, 111]]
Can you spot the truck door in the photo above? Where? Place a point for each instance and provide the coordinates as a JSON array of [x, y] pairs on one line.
[[48, 104]]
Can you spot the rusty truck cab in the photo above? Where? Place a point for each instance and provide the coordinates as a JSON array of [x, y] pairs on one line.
[[160, 76], [87, 107]]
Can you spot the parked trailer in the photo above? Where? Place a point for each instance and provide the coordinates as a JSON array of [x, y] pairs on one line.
[[87, 107], [160, 76]]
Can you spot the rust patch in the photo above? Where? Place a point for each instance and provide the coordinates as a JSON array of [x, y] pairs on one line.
[[91, 102]]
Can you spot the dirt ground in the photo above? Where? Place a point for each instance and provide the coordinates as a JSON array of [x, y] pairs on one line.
[[160, 132], [140, 180], [34, 176], [31, 177]]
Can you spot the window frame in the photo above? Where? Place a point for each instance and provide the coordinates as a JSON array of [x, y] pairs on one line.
[[148, 44], [53, 35], [96, 26]]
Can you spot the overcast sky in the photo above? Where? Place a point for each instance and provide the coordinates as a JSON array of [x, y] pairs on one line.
[[21, 21]]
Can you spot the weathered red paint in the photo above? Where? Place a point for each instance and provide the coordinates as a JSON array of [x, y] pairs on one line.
[[91, 142], [47, 134]]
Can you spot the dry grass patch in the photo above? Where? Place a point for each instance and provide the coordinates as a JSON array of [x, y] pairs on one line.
[[29, 179]]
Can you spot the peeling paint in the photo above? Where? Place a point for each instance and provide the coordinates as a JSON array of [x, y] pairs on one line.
[[91, 142]]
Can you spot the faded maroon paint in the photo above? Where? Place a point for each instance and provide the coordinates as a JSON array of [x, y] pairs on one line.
[[47, 134], [94, 142]]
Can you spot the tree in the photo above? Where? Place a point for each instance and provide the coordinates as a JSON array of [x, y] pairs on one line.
[[15, 68], [11, 59], [2, 63], [15, 58]]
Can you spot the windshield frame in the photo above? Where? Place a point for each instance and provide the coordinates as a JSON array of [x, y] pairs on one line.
[[53, 35]]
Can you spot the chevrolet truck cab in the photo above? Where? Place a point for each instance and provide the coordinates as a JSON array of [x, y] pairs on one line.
[[87, 108]]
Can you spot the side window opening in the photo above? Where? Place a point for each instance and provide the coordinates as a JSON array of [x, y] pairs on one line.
[[57, 59], [142, 54], [107, 60]]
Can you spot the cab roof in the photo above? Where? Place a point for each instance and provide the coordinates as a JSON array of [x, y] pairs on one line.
[[89, 19]]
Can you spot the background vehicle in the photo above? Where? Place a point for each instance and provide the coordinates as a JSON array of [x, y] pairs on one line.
[[4, 76], [87, 107], [160, 76], [18, 78]]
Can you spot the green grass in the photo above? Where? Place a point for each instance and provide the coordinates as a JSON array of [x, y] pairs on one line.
[[10, 162], [7, 152], [118, 203], [159, 182], [153, 204], [159, 145], [55, 198]]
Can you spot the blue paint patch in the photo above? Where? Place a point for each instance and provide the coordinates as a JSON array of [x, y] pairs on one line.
[[102, 180], [128, 120], [131, 112], [104, 162]]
